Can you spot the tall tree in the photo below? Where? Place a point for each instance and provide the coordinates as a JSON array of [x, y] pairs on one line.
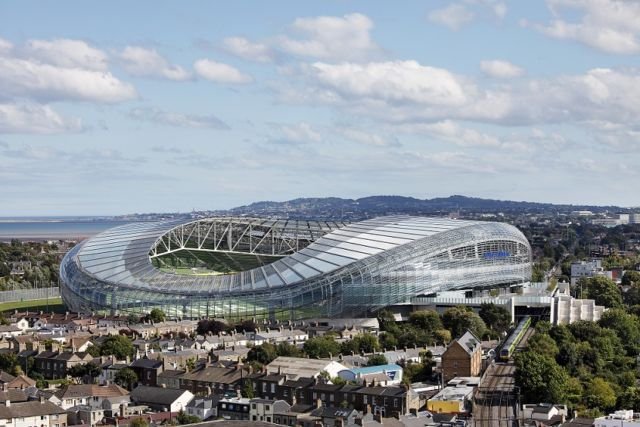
[[495, 317], [126, 378], [117, 345], [460, 319], [601, 289], [320, 347], [540, 378]]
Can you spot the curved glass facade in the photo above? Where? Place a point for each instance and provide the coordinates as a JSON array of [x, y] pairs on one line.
[[301, 269]]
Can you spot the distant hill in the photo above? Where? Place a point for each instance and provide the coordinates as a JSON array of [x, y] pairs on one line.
[[334, 207]]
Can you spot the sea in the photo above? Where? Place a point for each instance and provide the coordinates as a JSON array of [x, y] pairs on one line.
[[53, 228]]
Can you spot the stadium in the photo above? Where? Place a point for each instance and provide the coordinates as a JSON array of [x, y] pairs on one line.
[[241, 268]]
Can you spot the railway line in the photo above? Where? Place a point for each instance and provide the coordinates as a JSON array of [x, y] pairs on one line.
[[496, 401]]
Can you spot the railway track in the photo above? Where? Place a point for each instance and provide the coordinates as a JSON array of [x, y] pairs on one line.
[[496, 402]]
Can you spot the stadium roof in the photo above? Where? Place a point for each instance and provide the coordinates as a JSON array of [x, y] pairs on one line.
[[122, 254]]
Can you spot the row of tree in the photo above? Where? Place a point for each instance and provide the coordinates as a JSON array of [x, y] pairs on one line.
[[589, 365]]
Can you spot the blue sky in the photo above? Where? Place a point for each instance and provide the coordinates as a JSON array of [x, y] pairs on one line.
[[119, 107]]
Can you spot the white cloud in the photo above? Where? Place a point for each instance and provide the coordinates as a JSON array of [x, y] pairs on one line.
[[332, 38], [245, 49], [406, 91], [367, 138], [35, 118], [220, 73], [5, 46], [398, 81], [19, 77], [177, 119], [500, 69], [67, 53], [300, 132], [453, 16], [450, 131], [612, 26], [140, 61]]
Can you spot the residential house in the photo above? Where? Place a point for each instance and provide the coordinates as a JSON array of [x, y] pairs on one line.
[[8, 331], [147, 370], [34, 413], [170, 378], [55, 364], [21, 323], [236, 408], [8, 381], [264, 409], [389, 374], [334, 416], [302, 367], [213, 379], [161, 399], [463, 358], [13, 395], [204, 407], [91, 395]]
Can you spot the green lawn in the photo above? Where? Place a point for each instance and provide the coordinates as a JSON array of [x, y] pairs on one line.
[[54, 304]]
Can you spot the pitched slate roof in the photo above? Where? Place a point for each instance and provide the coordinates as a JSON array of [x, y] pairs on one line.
[[469, 342], [29, 409], [156, 395], [84, 390]]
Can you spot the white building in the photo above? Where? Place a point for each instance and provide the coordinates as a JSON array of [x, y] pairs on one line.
[[300, 367], [35, 413], [543, 411], [624, 418], [591, 268]]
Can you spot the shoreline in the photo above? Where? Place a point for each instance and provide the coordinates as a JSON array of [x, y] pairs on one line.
[[43, 238]]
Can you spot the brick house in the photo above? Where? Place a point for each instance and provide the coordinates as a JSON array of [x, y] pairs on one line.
[[463, 358]]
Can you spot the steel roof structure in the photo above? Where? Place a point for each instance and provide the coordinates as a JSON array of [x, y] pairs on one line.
[[302, 269]]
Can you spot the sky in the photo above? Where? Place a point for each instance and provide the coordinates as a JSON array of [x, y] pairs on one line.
[[153, 106]]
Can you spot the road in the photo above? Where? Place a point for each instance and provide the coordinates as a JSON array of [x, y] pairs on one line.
[[496, 403]]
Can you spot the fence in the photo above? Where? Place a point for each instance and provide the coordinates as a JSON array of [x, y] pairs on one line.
[[29, 294]]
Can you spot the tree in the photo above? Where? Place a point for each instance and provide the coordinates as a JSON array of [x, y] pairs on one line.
[[139, 422], [630, 278], [288, 350], [90, 370], [543, 344], [246, 326], [264, 353], [126, 378], [540, 378], [156, 315], [376, 360], [387, 340], [603, 290], [320, 347], [184, 418], [626, 327], [599, 394], [426, 320], [366, 343], [117, 345], [247, 390], [495, 317], [8, 361], [460, 319], [206, 326]]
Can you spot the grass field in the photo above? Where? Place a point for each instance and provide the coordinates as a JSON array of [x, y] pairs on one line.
[[52, 304]]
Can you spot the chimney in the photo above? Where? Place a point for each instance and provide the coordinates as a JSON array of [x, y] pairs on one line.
[[318, 403], [41, 399], [7, 403]]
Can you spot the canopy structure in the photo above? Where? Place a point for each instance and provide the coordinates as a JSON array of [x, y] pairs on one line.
[[246, 267]]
